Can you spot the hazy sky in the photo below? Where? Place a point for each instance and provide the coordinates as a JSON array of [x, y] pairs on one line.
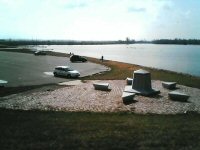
[[99, 19]]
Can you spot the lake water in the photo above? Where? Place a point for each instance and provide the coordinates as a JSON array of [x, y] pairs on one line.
[[179, 58]]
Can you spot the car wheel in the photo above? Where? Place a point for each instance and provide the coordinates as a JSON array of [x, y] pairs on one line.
[[69, 76], [55, 75]]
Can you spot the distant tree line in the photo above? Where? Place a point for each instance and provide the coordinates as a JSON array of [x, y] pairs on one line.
[[61, 42], [11, 42], [177, 41]]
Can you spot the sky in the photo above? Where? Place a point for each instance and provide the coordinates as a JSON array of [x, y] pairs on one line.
[[99, 19]]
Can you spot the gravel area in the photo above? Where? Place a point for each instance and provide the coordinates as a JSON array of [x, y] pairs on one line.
[[83, 97]]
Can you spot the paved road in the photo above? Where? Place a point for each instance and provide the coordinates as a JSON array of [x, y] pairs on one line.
[[21, 69]]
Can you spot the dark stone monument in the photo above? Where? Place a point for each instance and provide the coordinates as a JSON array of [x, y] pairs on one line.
[[142, 84]]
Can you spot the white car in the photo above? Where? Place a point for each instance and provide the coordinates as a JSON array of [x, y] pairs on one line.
[[66, 71]]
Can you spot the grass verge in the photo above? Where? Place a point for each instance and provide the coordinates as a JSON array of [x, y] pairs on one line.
[[120, 71], [66, 130], [5, 91]]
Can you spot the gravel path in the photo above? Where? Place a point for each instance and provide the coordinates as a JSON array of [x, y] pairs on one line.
[[83, 97]]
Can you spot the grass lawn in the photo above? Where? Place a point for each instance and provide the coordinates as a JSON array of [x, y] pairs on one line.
[[66, 130]]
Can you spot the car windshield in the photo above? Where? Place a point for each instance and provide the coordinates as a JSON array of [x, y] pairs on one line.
[[68, 69]]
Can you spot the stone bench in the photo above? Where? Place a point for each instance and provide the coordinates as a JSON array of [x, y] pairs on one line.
[[129, 81], [127, 97], [3, 83], [178, 96], [101, 86], [169, 85]]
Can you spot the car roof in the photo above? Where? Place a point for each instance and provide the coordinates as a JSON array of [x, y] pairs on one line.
[[65, 67]]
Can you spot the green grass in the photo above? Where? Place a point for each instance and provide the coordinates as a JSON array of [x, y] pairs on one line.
[[65, 130], [183, 79], [120, 71]]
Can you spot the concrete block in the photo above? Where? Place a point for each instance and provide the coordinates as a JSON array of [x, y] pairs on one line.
[[127, 97], [101, 86], [129, 81], [178, 96], [169, 85]]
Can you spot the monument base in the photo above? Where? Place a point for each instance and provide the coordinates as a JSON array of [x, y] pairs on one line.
[[150, 92]]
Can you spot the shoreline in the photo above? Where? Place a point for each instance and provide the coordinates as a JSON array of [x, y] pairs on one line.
[[119, 71], [92, 59]]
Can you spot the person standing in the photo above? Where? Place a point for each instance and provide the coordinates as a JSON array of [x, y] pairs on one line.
[[102, 58]]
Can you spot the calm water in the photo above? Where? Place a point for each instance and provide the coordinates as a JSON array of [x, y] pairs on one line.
[[179, 58]]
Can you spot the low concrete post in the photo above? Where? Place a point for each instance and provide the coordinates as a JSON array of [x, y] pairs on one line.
[[142, 80]]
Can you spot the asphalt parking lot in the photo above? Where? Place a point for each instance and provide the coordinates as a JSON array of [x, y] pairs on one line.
[[21, 69]]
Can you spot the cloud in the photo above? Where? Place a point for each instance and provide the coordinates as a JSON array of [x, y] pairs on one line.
[[96, 19], [133, 9]]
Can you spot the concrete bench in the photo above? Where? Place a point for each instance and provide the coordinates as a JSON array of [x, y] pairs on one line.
[[178, 96], [169, 85], [129, 81], [3, 83], [101, 86], [127, 97]]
